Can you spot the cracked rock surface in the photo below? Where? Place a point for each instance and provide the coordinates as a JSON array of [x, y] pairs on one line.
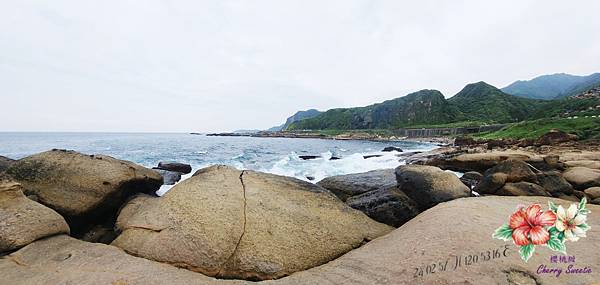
[[227, 223]]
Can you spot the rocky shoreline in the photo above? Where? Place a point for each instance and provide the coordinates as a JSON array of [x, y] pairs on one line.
[[441, 140], [67, 217]]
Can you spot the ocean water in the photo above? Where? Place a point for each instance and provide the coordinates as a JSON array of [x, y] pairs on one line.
[[273, 155]]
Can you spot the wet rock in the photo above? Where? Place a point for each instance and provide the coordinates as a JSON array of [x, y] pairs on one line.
[[308, 157], [386, 205], [345, 186], [169, 177], [471, 179], [428, 185], [391, 148], [175, 167], [23, 221], [243, 224], [371, 156]]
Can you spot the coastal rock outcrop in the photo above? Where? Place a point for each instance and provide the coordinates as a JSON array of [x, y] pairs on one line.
[[23, 221], [479, 162], [85, 189], [243, 224], [555, 136], [391, 148], [175, 166], [429, 185], [582, 178], [346, 186], [471, 179], [388, 205], [5, 163]]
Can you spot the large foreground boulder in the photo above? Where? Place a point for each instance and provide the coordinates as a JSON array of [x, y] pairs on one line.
[[346, 186], [388, 205], [23, 221], [65, 260], [83, 188], [582, 178], [425, 250], [429, 185], [456, 230], [243, 224]]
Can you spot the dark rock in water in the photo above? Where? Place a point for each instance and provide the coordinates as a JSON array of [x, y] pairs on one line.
[[521, 189], [311, 178], [555, 137], [554, 183], [371, 156], [345, 186], [471, 179], [308, 157], [334, 158], [392, 148], [5, 163], [429, 185], [386, 205], [169, 177], [175, 166]]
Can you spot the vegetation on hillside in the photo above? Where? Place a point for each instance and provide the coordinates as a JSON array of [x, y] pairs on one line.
[[583, 127]]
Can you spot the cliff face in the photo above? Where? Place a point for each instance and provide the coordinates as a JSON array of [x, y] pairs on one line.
[[300, 115]]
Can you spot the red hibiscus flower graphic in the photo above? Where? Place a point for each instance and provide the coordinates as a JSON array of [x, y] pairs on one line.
[[528, 225]]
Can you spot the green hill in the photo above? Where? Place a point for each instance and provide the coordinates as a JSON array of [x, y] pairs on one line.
[[553, 86], [422, 107], [485, 103]]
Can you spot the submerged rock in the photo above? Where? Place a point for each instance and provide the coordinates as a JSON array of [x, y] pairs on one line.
[[429, 185], [243, 224], [23, 221], [386, 205], [85, 189], [346, 186], [175, 167], [391, 148]]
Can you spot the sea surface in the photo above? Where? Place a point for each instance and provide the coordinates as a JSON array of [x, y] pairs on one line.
[[273, 155]]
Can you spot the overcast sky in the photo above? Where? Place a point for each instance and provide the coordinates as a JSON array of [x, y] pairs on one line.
[[224, 65]]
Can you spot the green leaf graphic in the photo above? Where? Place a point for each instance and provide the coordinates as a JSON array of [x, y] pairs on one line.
[[552, 206], [526, 251], [584, 227], [504, 233], [582, 203], [557, 245]]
